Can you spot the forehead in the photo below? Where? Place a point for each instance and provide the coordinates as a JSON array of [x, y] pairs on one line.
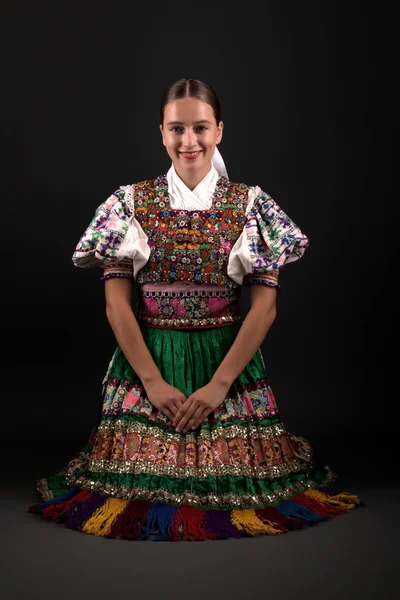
[[187, 110]]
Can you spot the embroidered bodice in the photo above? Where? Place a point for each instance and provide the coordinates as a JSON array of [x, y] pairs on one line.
[[190, 264]]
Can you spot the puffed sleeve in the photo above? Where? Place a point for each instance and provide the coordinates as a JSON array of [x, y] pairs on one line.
[[270, 239], [114, 240]]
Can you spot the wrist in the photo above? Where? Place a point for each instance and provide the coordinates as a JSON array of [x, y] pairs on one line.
[[151, 378], [221, 381]]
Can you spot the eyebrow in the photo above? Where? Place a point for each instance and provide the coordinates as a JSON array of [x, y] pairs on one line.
[[195, 122]]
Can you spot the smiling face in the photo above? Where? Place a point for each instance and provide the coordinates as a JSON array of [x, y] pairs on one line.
[[190, 134]]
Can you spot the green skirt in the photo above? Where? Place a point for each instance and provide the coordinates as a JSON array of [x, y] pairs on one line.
[[239, 473]]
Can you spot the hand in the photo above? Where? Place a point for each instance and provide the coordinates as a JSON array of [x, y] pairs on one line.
[[167, 398], [199, 405]]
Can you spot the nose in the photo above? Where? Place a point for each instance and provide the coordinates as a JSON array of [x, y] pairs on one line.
[[189, 139]]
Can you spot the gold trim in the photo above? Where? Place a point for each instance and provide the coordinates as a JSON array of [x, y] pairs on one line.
[[225, 501], [189, 322], [149, 468], [230, 432], [266, 432]]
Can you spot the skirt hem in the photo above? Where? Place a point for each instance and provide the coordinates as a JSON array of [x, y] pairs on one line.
[[93, 513]]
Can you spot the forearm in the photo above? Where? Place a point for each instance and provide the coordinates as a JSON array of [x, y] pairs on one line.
[[130, 339], [248, 340]]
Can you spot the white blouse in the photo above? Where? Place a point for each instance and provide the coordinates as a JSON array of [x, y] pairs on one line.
[[182, 198], [269, 240]]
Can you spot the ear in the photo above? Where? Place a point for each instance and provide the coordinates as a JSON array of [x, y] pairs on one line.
[[220, 132], [162, 134]]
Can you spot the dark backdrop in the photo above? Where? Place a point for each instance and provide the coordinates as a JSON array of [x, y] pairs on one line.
[[304, 92]]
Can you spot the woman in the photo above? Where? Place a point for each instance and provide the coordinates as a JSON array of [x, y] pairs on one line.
[[189, 443]]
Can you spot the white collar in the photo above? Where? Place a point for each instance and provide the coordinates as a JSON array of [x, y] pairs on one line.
[[200, 198]]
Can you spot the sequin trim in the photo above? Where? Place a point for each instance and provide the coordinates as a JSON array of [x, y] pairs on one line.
[[137, 440], [198, 308], [225, 501], [184, 323], [149, 468], [226, 431]]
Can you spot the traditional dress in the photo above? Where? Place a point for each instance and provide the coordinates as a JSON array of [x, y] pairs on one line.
[[240, 473]]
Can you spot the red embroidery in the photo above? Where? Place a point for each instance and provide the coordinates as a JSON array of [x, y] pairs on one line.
[[190, 245]]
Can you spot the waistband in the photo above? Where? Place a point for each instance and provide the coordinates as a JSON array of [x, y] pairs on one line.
[[187, 306]]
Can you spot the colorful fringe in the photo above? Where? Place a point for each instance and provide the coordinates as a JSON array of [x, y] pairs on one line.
[[108, 517]]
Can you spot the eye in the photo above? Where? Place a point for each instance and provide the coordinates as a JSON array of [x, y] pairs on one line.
[[176, 129], [202, 127]]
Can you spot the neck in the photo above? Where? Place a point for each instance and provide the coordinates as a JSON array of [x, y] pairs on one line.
[[192, 178]]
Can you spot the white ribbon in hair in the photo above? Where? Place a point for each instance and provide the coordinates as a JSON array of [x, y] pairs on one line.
[[219, 164]]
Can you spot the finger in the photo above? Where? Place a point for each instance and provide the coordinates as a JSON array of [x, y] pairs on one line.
[[185, 418], [168, 413], [179, 400], [200, 419], [182, 410], [194, 419], [191, 424], [178, 403], [173, 410]]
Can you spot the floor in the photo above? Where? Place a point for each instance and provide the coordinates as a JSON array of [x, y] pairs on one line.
[[354, 555]]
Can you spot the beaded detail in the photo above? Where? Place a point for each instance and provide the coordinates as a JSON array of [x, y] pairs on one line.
[[177, 306], [117, 268], [270, 278], [190, 245]]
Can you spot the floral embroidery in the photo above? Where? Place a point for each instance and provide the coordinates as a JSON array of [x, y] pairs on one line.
[[105, 233], [273, 238], [244, 436], [190, 246]]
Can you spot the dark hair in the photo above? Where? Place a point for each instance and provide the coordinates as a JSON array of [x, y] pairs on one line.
[[191, 88]]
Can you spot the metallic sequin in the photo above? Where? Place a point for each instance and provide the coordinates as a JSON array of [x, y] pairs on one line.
[[223, 501], [134, 468], [227, 431]]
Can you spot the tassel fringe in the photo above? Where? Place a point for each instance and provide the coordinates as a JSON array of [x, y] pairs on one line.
[[138, 520], [102, 520], [248, 521]]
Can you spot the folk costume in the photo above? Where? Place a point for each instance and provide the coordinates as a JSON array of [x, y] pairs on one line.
[[240, 473]]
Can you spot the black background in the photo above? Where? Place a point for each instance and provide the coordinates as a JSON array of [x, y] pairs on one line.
[[305, 91]]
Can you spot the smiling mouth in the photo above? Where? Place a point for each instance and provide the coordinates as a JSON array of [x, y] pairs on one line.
[[190, 155]]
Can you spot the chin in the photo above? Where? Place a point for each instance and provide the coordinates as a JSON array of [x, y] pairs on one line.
[[191, 164]]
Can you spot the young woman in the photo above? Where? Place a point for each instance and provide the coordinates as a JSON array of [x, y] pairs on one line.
[[189, 443]]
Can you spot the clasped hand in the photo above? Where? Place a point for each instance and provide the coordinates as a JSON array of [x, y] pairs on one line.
[[186, 413]]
